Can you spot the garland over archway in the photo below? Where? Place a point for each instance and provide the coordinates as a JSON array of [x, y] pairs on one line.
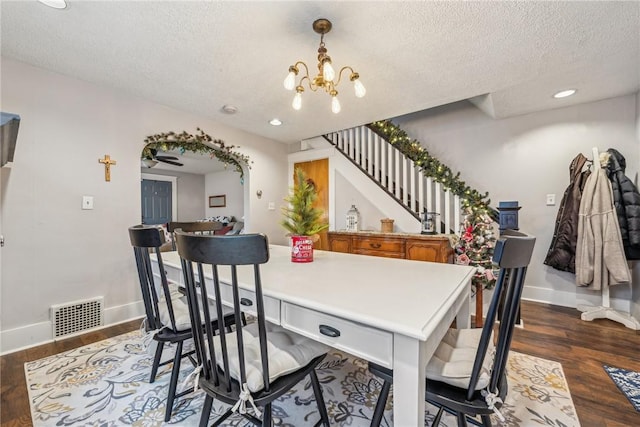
[[199, 143]]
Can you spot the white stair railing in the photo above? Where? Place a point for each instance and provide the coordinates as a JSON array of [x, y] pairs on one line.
[[396, 174]]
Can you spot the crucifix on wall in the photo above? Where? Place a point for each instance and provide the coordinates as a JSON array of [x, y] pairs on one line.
[[107, 161]]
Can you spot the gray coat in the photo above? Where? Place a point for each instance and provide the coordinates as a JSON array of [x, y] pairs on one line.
[[600, 259]]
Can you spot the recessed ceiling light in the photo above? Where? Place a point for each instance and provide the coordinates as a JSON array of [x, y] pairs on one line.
[[275, 122], [564, 93], [229, 109], [56, 4]]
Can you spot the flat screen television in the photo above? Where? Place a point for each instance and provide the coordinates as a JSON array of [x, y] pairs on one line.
[[9, 124]]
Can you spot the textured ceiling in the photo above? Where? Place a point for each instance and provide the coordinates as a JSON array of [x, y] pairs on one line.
[[197, 56]]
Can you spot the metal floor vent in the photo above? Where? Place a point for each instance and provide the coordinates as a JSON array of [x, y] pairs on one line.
[[76, 316]]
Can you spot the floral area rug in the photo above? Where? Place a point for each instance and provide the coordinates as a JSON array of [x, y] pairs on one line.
[[107, 384], [628, 382]]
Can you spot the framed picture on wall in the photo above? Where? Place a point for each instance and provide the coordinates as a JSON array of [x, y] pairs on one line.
[[218, 201]]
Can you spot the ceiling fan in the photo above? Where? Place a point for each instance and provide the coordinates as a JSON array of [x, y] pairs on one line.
[[151, 162]]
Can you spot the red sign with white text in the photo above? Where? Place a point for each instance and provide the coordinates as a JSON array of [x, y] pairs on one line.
[[301, 249]]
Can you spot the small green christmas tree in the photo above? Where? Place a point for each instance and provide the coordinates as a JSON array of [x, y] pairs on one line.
[[475, 248], [300, 217]]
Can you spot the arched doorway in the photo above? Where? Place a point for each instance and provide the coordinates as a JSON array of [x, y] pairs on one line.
[[180, 192]]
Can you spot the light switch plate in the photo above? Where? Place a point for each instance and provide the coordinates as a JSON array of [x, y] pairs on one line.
[[87, 202], [271, 206], [551, 199]]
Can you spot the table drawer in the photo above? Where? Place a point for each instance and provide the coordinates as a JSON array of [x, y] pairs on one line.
[[248, 302], [369, 343], [173, 275], [382, 245]]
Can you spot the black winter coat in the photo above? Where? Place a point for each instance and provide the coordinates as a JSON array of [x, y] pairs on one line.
[[626, 200], [562, 252]]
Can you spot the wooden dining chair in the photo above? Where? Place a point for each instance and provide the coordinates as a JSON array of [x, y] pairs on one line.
[[198, 227], [467, 374], [236, 368], [167, 314]]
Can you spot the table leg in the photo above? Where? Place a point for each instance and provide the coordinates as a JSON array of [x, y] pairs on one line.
[[408, 381], [479, 306], [463, 318], [410, 357]]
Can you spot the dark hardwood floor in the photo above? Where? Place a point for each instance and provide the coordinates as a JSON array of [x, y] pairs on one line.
[[557, 333], [14, 401], [551, 332]]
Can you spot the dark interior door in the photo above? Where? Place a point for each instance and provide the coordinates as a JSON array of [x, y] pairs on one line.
[[156, 202]]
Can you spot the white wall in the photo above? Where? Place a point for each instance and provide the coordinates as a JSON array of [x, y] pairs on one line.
[[56, 252], [526, 157], [635, 272], [225, 183], [347, 195]]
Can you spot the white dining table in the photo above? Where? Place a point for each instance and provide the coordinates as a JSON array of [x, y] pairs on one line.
[[392, 312]]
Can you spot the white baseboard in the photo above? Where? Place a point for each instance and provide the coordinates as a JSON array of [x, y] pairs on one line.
[[27, 336], [570, 299], [560, 298], [549, 296], [123, 313]]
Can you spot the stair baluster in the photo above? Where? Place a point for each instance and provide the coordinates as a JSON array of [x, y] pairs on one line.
[[398, 175]]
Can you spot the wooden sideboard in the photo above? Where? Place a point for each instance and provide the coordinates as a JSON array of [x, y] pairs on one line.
[[420, 247]]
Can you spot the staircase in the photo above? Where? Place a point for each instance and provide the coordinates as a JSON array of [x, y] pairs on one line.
[[398, 176]]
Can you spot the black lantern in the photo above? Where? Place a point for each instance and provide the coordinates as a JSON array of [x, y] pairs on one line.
[[430, 222], [508, 215]]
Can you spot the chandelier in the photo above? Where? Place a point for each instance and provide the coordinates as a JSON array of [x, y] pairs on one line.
[[326, 74]]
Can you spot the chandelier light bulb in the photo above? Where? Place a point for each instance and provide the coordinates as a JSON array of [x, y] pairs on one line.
[[359, 88], [297, 101], [335, 104], [290, 81], [328, 73]]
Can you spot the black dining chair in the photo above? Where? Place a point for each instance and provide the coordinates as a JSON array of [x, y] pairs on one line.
[[167, 314], [467, 374], [235, 368]]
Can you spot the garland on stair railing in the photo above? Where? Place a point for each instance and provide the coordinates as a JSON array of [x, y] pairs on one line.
[[198, 143], [475, 245], [434, 168]]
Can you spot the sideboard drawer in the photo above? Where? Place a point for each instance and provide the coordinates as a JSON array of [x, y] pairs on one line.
[[381, 245], [340, 244], [369, 343], [429, 250]]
